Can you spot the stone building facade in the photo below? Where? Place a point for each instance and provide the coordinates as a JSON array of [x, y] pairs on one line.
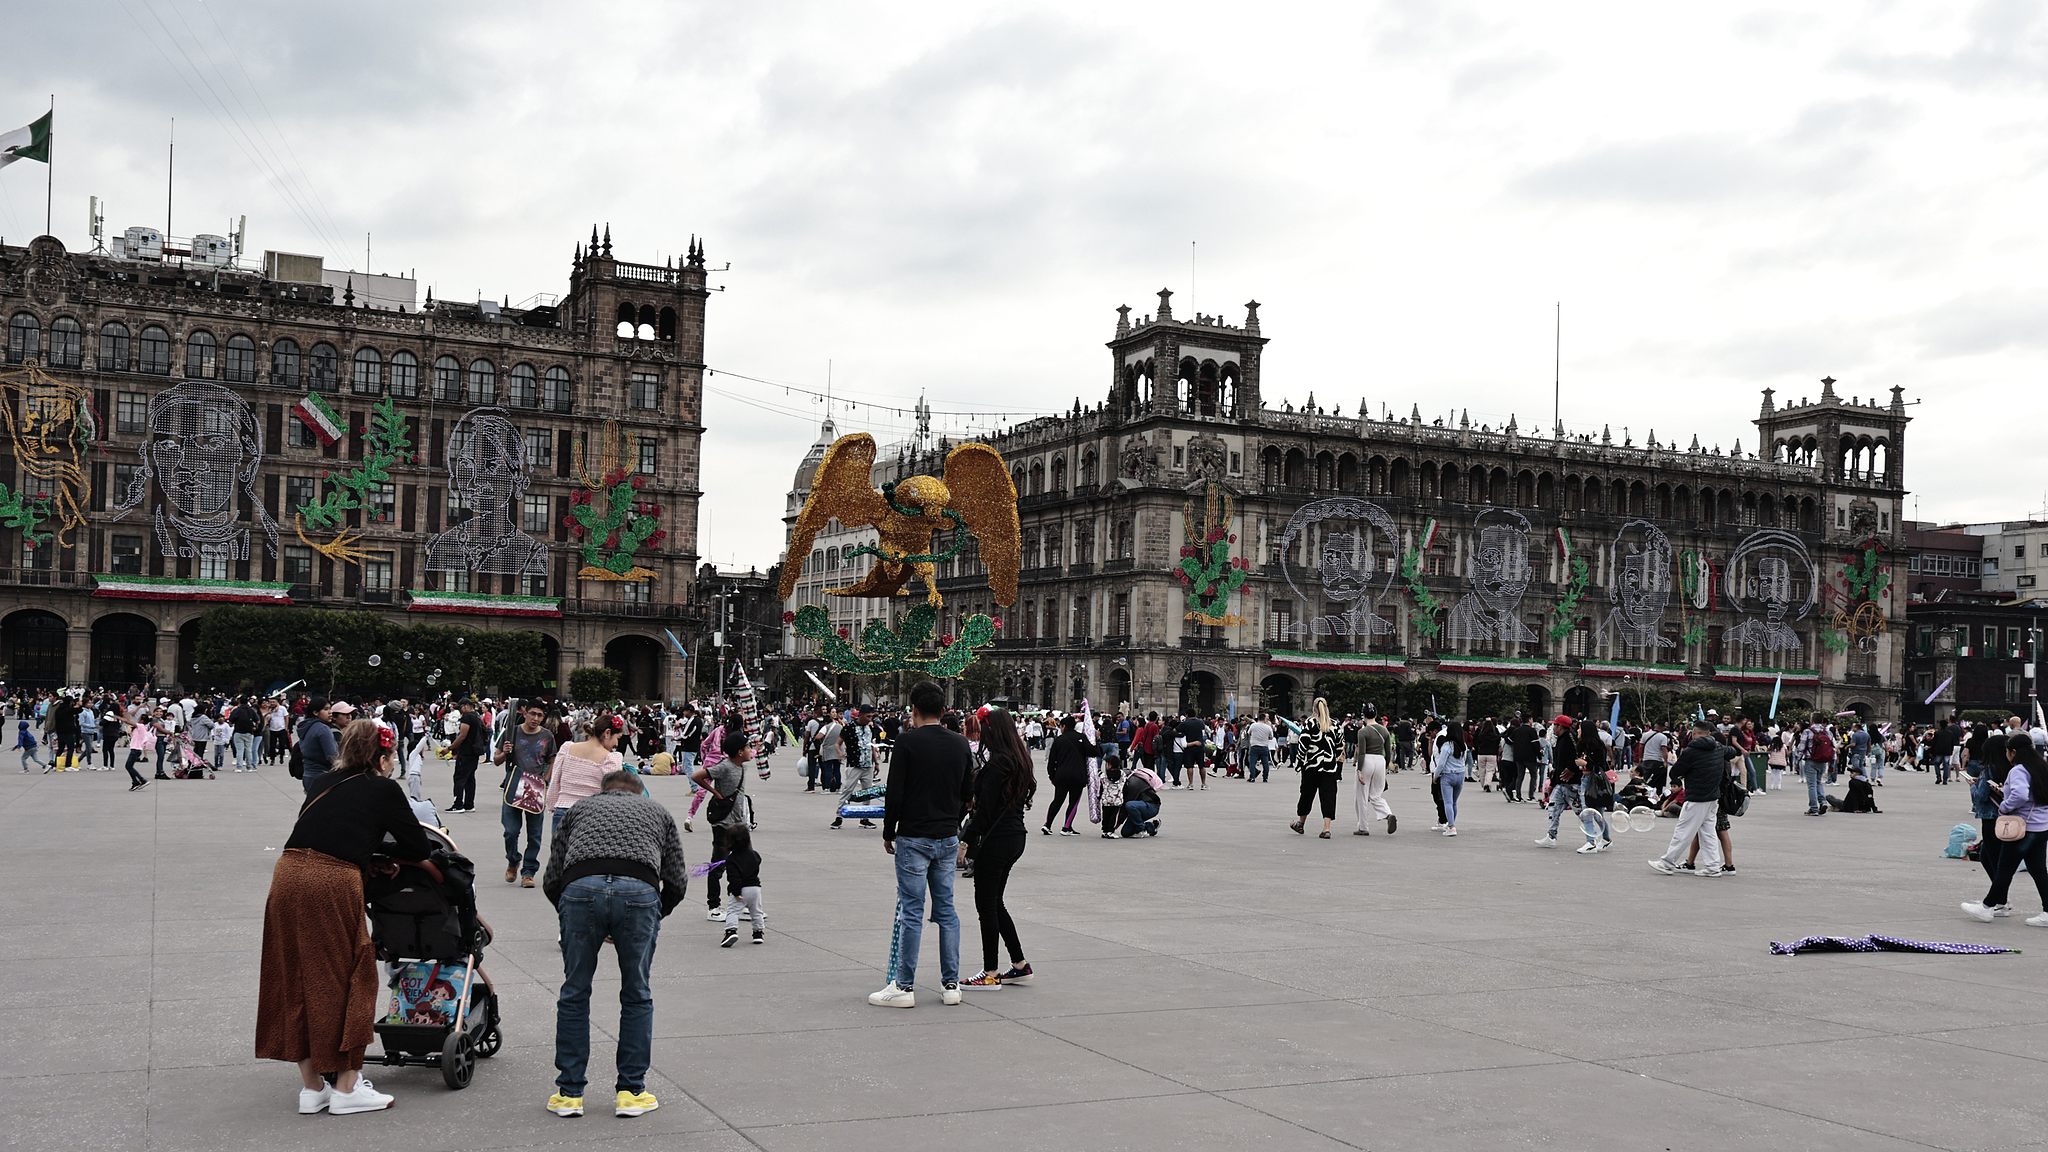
[[1702, 568], [197, 455]]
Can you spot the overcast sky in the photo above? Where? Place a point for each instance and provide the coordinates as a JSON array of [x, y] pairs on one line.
[[952, 199]]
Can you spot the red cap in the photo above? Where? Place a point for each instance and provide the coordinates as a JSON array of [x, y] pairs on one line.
[[1564, 720]]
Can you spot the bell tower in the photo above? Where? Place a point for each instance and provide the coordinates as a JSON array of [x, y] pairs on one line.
[[1161, 365]]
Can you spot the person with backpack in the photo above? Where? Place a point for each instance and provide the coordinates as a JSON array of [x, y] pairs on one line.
[[1815, 751]]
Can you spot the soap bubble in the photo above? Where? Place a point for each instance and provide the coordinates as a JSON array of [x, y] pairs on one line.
[[376, 660]]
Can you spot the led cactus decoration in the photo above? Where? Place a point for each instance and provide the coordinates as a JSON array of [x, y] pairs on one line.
[[385, 443], [1209, 573], [881, 650], [609, 520]]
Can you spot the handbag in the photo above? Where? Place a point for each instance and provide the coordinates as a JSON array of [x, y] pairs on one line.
[[526, 792], [2010, 827]]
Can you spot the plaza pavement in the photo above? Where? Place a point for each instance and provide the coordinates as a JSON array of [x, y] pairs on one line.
[[1227, 985]]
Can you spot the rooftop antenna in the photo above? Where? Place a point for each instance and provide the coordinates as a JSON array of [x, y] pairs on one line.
[[170, 176], [1557, 370], [1191, 279]]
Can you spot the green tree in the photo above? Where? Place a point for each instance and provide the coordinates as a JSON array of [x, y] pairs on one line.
[[1757, 708], [1694, 701], [1349, 692], [981, 681], [1417, 695], [1494, 698], [596, 685]]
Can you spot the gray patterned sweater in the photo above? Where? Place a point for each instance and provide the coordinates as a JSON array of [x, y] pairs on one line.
[[618, 834]]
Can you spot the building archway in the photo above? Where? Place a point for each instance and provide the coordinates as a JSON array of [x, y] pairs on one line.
[[637, 659], [1539, 704], [123, 647], [1119, 690], [35, 644], [1580, 701], [1199, 693], [1277, 694], [187, 671]]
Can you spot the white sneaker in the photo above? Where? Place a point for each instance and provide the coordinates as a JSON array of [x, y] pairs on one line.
[[1436, 827], [1588, 848], [311, 1101], [2040, 921], [949, 994], [893, 997], [1546, 841], [364, 1098], [1664, 866], [715, 914], [1450, 831], [2002, 910], [1604, 846], [1979, 912]]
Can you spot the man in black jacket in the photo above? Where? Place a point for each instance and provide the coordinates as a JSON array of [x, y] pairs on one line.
[[931, 775], [614, 870], [1702, 769]]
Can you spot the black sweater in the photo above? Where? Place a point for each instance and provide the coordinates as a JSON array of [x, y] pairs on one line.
[[1066, 762], [347, 816], [930, 774], [991, 817], [742, 870]]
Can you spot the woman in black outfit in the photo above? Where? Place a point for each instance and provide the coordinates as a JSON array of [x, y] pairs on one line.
[[1320, 759], [1066, 766], [995, 835]]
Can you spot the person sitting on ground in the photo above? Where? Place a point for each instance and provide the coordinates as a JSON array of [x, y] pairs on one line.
[[1861, 797]]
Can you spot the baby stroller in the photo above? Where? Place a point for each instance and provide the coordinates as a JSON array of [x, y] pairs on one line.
[[443, 1011]]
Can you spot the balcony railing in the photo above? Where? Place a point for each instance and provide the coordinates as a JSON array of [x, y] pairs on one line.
[[1030, 575], [1120, 564], [1081, 569], [1121, 640], [1203, 642]]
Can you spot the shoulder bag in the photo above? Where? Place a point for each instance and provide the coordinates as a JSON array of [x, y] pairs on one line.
[[2010, 827]]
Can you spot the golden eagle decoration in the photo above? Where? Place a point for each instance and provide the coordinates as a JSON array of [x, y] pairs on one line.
[[974, 497]]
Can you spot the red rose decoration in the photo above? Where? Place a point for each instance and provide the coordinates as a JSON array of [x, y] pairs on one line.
[[947, 640], [789, 617], [998, 621], [843, 633], [579, 530], [638, 481], [658, 536], [568, 521], [612, 541], [1233, 537], [325, 475]]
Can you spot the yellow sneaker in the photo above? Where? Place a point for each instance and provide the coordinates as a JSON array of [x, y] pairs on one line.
[[636, 1105], [562, 1105]]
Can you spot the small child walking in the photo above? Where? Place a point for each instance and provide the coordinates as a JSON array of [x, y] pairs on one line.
[[743, 881], [31, 749], [714, 752]]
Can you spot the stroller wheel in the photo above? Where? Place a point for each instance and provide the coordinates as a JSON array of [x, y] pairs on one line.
[[458, 1060], [489, 1045]]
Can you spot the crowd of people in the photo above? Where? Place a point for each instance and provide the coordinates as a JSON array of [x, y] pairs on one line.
[[958, 793]]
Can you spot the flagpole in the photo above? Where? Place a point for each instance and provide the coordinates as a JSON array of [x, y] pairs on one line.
[[50, 165]]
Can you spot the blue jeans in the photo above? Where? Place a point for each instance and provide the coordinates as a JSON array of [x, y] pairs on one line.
[[1256, 759], [1812, 769], [1451, 783], [1138, 817], [1166, 764], [245, 750], [1563, 798], [923, 864], [514, 819], [311, 774], [88, 743], [628, 911]]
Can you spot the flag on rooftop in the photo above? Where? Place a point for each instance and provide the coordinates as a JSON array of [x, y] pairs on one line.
[[30, 143]]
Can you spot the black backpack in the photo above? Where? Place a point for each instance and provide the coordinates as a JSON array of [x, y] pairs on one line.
[[1734, 798]]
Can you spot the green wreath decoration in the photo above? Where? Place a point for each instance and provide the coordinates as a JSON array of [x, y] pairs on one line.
[[1427, 605], [881, 650]]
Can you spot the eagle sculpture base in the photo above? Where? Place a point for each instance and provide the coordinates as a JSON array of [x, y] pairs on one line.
[[879, 649]]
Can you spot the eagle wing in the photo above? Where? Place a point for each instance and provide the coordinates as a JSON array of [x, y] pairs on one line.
[[986, 499], [842, 489]]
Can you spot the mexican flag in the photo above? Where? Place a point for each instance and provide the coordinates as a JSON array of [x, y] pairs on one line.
[[30, 143], [1564, 543], [319, 417], [483, 604]]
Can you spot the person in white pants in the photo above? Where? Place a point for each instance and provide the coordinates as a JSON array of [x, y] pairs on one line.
[[1703, 770], [1374, 746]]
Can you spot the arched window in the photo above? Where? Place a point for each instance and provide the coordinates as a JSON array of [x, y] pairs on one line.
[[368, 379], [1295, 469], [665, 328], [1326, 471], [24, 337], [405, 375], [1271, 472], [626, 317], [324, 368], [1084, 543], [284, 362], [1017, 479], [113, 355], [1059, 474], [483, 382], [644, 328], [238, 366], [1594, 496], [1347, 473], [525, 387], [1037, 477], [154, 351], [1397, 479], [1088, 469], [447, 379], [202, 356], [1447, 482], [67, 343], [555, 389]]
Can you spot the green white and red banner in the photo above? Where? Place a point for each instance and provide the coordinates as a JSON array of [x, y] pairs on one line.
[[1496, 665], [1335, 661], [315, 414], [1766, 675], [484, 604], [175, 588], [1619, 668]]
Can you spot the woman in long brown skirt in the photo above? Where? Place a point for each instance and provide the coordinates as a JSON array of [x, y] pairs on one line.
[[317, 1002]]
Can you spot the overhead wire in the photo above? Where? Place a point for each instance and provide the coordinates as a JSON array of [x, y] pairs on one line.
[[836, 397]]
